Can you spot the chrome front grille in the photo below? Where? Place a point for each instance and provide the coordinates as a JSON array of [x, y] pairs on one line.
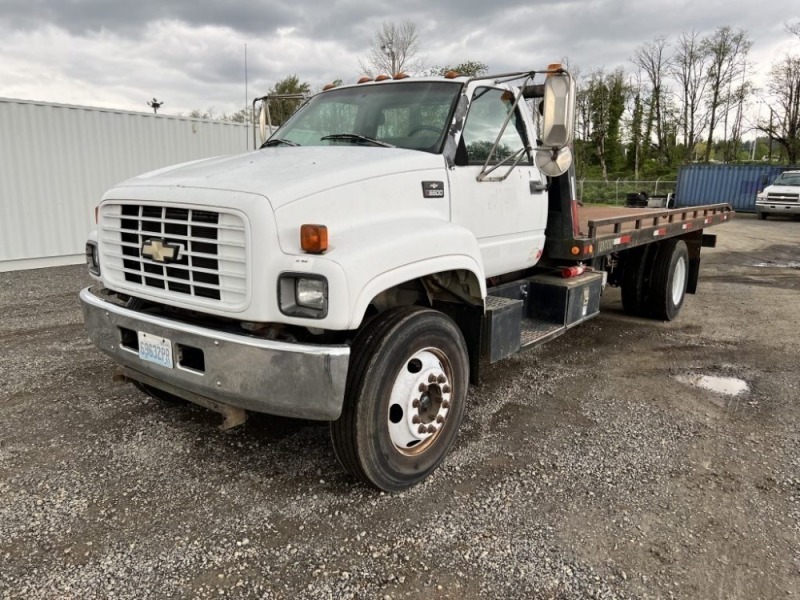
[[775, 197], [211, 261]]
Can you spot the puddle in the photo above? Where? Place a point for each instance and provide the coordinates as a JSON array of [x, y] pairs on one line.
[[729, 386], [779, 265]]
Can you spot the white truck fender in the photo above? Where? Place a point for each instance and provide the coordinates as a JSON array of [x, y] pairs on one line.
[[385, 254]]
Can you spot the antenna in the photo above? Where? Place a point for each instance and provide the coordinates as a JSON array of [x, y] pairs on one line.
[[246, 114]]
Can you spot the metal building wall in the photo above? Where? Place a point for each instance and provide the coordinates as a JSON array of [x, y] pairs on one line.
[[735, 184], [56, 161]]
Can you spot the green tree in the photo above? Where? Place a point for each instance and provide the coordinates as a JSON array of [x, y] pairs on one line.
[[606, 95], [468, 68], [244, 115], [689, 69], [653, 59], [635, 129], [727, 50], [282, 109], [784, 122]]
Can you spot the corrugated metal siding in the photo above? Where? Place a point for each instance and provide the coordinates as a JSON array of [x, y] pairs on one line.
[[735, 184], [56, 161]]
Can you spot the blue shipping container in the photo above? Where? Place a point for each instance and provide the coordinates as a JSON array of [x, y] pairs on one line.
[[735, 184]]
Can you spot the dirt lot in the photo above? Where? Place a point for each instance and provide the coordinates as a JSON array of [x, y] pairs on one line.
[[586, 469]]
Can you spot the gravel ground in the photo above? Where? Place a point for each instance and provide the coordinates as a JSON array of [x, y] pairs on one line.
[[588, 468]]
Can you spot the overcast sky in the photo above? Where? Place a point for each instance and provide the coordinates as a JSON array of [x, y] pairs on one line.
[[190, 53]]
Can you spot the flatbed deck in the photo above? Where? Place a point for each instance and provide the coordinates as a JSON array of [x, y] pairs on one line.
[[605, 229], [597, 219]]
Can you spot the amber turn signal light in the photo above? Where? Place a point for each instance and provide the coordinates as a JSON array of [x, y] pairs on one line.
[[314, 238]]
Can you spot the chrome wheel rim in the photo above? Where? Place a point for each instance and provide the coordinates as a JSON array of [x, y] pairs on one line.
[[420, 401], [679, 281]]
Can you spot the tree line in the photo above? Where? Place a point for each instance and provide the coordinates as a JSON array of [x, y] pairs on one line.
[[684, 100]]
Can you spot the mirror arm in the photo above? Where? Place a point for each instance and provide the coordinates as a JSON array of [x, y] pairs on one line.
[[487, 170]]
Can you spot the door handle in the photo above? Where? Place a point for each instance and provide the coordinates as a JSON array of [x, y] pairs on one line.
[[537, 187]]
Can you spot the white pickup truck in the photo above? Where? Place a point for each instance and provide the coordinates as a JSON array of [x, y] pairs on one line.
[[781, 197], [386, 241]]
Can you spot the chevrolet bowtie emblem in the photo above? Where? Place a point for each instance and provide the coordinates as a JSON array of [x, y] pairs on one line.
[[160, 251]]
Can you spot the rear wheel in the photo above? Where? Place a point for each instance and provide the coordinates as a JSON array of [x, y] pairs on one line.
[[670, 276], [405, 398], [636, 280]]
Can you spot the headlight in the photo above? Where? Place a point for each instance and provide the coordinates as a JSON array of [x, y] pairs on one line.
[[302, 295], [310, 293], [761, 196], [92, 258]]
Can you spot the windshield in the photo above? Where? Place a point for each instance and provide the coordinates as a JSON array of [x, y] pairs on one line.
[[788, 179], [411, 115]]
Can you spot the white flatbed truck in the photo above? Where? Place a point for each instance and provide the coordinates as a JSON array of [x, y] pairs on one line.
[[386, 241]]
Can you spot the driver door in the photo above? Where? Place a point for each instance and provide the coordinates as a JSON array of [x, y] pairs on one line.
[[508, 217]]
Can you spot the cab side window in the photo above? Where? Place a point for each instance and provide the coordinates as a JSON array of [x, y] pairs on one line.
[[488, 110]]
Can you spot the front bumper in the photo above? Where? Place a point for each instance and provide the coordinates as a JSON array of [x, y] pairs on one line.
[[280, 378], [778, 208]]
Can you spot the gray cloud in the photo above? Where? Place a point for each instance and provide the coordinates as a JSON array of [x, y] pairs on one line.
[[191, 53], [83, 16]]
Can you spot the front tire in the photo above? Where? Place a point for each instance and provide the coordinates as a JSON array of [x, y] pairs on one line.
[[405, 398], [762, 216]]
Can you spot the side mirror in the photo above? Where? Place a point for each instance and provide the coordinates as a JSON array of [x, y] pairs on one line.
[[764, 181], [559, 110]]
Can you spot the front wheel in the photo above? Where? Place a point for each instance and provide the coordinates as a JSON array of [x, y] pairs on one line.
[[405, 398], [762, 216]]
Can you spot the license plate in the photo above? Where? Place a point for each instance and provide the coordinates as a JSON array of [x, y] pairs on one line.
[[155, 349]]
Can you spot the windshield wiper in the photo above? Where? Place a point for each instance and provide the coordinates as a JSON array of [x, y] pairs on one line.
[[355, 137], [278, 142]]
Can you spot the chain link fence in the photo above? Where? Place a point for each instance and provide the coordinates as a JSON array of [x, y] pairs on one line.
[[597, 191]]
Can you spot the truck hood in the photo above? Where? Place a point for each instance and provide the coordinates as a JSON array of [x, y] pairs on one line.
[[287, 174], [782, 189]]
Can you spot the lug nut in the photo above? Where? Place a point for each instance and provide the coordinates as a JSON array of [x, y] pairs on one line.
[[446, 404], [441, 379], [422, 429], [415, 403], [431, 428], [439, 419], [431, 378], [415, 419], [423, 387], [446, 389]]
